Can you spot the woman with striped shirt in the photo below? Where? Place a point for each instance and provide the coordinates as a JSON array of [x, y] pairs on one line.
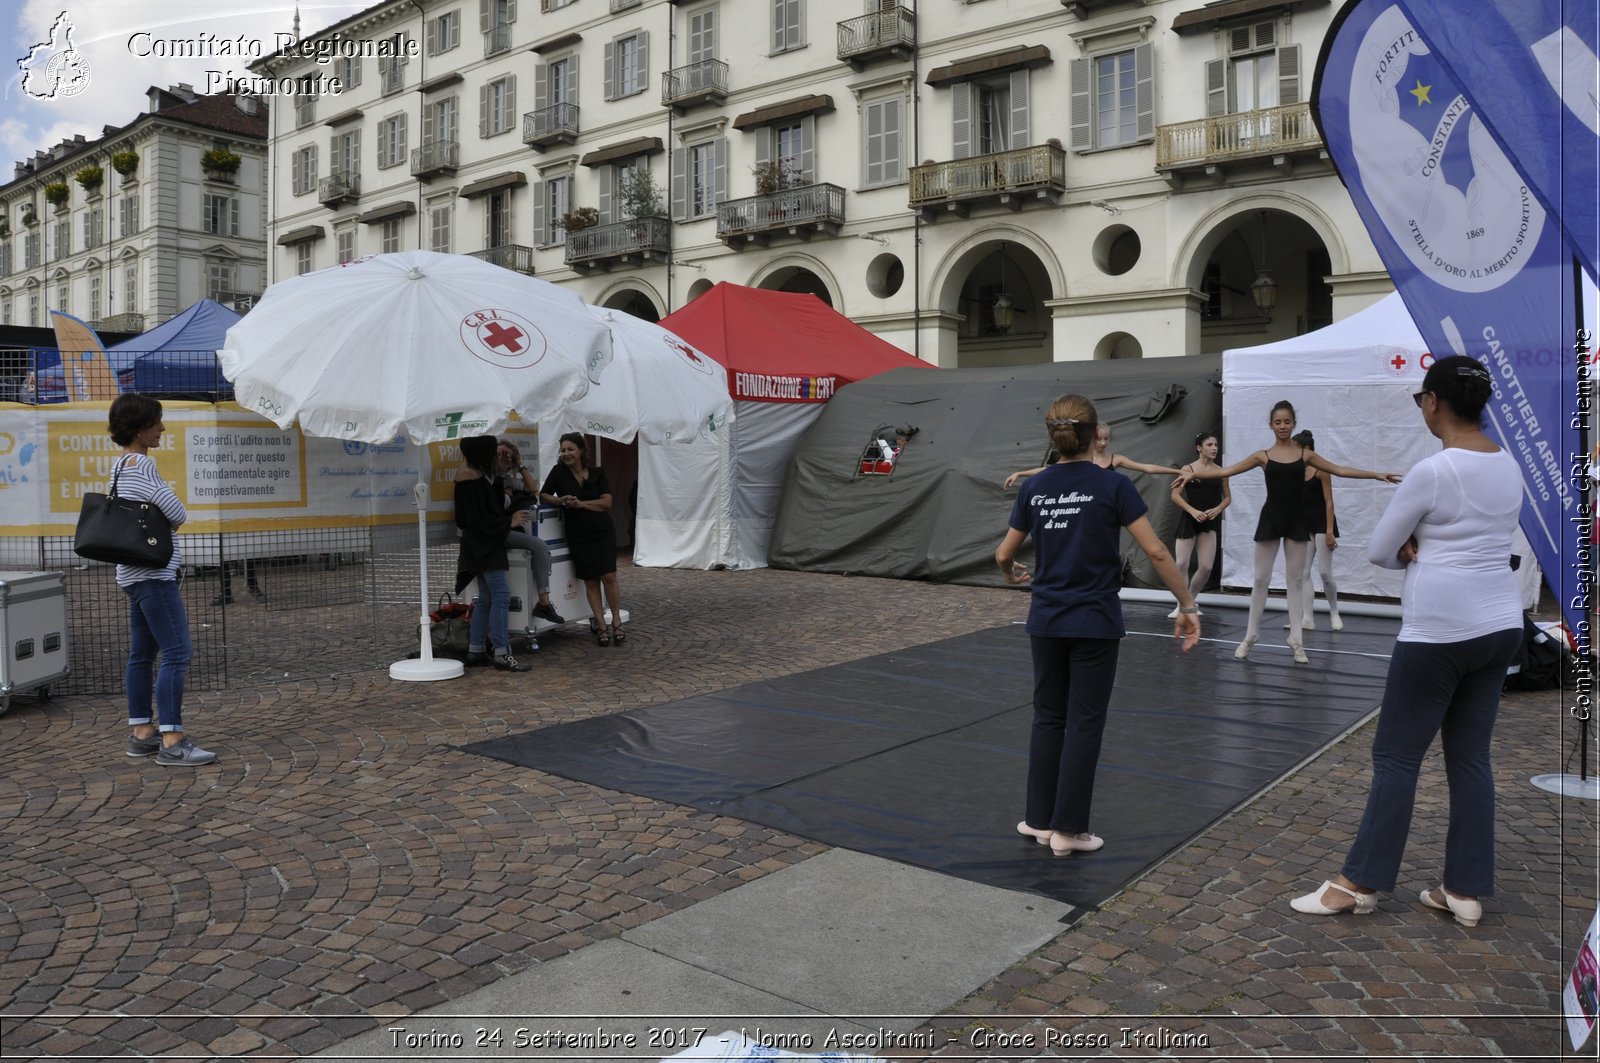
[[156, 617]]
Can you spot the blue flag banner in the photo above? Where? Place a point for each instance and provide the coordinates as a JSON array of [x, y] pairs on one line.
[[1480, 263], [1530, 70]]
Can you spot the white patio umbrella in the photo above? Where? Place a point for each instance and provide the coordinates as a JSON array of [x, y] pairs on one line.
[[659, 387], [420, 344]]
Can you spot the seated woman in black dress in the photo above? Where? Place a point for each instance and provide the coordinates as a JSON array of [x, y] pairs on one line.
[[585, 498]]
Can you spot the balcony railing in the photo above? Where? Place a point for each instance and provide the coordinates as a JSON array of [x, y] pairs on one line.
[[1250, 134], [509, 256], [623, 5], [496, 39], [128, 322], [442, 156], [550, 125], [1006, 176], [338, 186], [642, 239], [240, 301], [878, 35], [702, 82], [796, 211]]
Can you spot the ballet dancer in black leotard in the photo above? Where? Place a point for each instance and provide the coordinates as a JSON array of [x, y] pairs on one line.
[[1324, 526], [1200, 504], [1283, 519]]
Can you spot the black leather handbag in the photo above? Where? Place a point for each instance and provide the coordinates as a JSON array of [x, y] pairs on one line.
[[121, 531]]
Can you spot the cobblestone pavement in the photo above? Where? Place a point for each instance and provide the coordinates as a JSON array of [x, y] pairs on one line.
[[345, 863]]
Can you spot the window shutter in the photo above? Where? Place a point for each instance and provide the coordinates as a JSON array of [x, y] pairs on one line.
[[541, 86], [893, 171], [431, 36], [1238, 40], [429, 129], [777, 25], [402, 139], [611, 70], [608, 177], [961, 119], [511, 101], [1144, 90], [1080, 77], [1021, 137], [1266, 34], [233, 216], [873, 149], [1289, 75], [485, 14], [572, 81], [791, 24], [541, 193], [719, 169], [511, 11], [483, 110], [680, 183], [1216, 87], [808, 150], [488, 222], [703, 35], [763, 146], [643, 73]]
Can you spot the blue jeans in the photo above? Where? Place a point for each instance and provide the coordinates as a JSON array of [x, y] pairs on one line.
[[157, 623], [1072, 681], [1450, 689], [493, 611]]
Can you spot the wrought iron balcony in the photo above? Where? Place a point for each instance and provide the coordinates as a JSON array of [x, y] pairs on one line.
[[509, 256], [129, 322], [240, 301], [1009, 178], [557, 124], [439, 157], [697, 83], [880, 35], [1210, 147], [619, 244], [338, 187], [798, 212]]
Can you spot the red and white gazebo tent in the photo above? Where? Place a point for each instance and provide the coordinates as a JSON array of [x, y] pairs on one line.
[[711, 503]]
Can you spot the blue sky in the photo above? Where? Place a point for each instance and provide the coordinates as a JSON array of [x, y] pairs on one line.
[[118, 78]]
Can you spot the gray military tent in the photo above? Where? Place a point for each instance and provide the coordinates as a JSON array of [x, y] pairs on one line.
[[940, 512]]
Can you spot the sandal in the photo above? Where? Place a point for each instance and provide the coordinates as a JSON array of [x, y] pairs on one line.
[[602, 637], [617, 635]]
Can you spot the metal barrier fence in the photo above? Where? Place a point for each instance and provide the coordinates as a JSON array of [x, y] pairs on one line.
[[267, 611], [38, 376]]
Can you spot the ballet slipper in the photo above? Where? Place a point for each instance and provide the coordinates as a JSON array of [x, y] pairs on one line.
[[1061, 844], [1243, 651], [1334, 622], [1040, 836], [1299, 652]]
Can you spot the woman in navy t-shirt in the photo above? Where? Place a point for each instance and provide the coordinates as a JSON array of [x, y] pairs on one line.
[[1075, 512]]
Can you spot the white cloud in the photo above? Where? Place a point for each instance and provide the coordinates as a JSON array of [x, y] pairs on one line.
[[115, 94]]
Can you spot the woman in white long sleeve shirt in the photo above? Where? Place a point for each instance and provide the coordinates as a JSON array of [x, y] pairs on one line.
[[1449, 526]]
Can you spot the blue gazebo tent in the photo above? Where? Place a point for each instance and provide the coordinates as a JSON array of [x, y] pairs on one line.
[[178, 356]]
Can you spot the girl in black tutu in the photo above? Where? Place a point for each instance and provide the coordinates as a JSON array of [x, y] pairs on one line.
[[1200, 504]]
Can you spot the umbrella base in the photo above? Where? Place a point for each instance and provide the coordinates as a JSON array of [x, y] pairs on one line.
[[426, 671]]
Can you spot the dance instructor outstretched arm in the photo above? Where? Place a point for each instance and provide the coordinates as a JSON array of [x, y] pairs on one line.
[[1075, 512]]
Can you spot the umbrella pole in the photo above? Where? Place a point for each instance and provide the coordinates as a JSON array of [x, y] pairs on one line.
[[424, 668]]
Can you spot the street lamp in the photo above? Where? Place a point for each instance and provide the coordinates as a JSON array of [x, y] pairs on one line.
[[1265, 290], [1003, 310]]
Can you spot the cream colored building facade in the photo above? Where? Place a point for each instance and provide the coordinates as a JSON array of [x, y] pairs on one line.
[[129, 251], [982, 182]]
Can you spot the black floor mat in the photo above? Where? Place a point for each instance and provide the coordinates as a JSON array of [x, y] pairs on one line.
[[920, 755]]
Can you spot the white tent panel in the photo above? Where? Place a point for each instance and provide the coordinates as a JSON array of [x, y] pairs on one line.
[[1351, 385], [685, 517]]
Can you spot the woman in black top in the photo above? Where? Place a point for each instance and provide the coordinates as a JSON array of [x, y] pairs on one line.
[[585, 498], [1283, 519], [1317, 498], [482, 517], [1200, 504]]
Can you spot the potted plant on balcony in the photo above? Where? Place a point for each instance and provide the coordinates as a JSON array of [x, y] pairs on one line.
[[56, 193], [126, 163], [5, 228], [640, 195], [29, 215], [775, 175], [220, 164], [579, 218], [90, 179]]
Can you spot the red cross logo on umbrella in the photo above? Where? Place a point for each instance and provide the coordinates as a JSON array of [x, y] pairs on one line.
[[689, 353], [502, 338]]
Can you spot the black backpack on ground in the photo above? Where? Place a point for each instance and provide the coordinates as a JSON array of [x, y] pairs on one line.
[[1544, 659]]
